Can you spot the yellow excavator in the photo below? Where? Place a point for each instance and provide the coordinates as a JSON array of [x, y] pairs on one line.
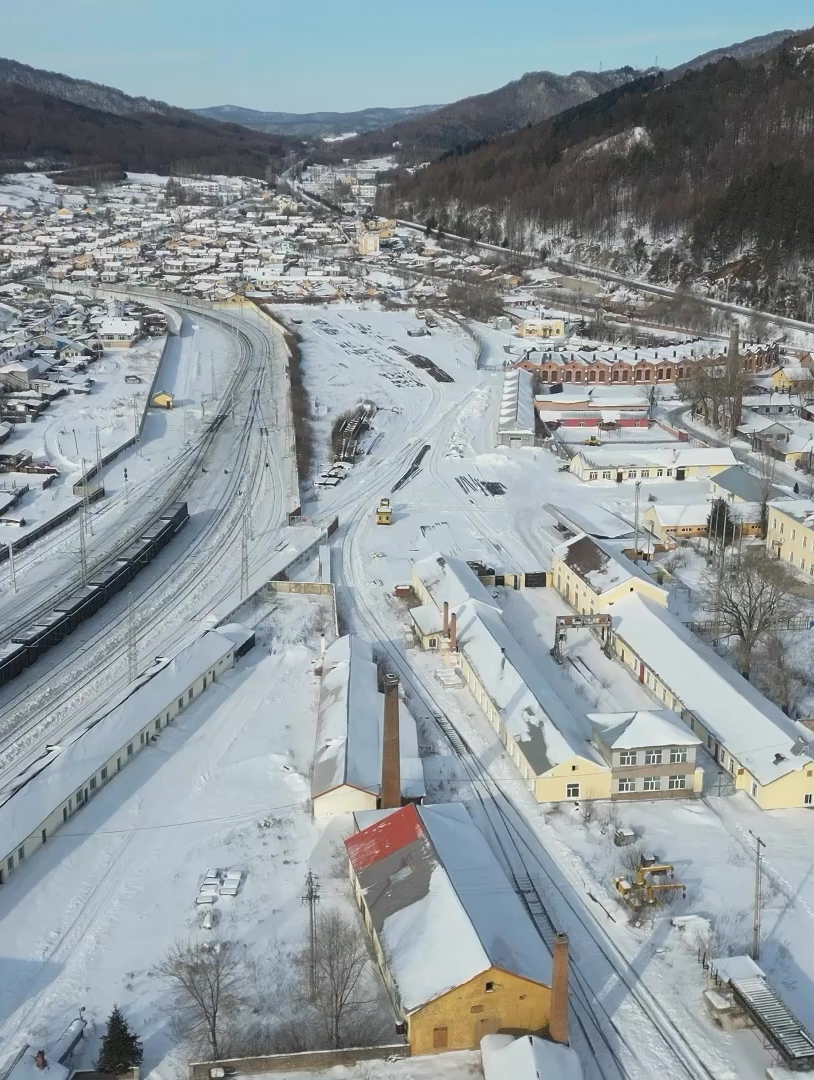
[[641, 890]]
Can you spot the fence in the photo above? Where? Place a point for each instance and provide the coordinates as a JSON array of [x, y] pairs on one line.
[[710, 626], [308, 1059]]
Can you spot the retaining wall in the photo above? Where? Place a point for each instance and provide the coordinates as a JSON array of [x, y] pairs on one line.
[[309, 1059]]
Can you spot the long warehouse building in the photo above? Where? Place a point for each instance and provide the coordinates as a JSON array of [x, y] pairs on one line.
[[68, 775]]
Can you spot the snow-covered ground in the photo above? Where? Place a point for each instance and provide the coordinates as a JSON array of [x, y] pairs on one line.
[[458, 1065], [226, 785]]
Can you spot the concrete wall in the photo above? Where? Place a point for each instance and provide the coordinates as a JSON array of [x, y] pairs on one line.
[[309, 1059]]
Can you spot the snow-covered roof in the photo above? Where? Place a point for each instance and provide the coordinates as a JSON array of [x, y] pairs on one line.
[[348, 742], [601, 568], [450, 579], [57, 774], [535, 716], [739, 482], [527, 1058], [687, 514], [440, 903], [349, 726], [635, 730], [118, 327], [517, 402], [801, 510], [591, 519], [625, 457], [761, 737]]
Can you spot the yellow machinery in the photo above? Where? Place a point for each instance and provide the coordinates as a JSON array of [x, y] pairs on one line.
[[642, 890], [384, 513]]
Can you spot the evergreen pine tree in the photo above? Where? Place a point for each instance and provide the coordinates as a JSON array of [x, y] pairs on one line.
[[121, 1048]]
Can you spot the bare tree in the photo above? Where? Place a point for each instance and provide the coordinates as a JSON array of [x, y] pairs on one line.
[[207, 980], [781, 678], [342, 966], [749, 598], [766, 472]]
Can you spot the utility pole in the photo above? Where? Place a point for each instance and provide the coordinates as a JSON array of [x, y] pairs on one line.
[[98, 459], [636, 523], [11, 565], [311, 898], [244, 557], [756, 927], [135, 418], [83, 558], [86, 497], [132, 648]]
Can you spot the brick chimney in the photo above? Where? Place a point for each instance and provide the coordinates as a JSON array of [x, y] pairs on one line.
[[453, 633], [558, 1018], [446, 618], [391, 751]]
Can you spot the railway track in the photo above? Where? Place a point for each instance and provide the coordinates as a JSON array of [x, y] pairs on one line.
[[606, 1036], [44, 708]]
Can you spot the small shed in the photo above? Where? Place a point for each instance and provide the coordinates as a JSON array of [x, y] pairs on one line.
[[163, 400]]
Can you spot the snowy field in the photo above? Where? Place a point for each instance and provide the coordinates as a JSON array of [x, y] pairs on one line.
[[227, 785], [458, 1065]]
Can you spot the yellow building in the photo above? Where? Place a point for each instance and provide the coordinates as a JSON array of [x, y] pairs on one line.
[[591, 577], [757, 748], [790, 532], [669, 523], [792, 377], [458, 952], [542, 328]]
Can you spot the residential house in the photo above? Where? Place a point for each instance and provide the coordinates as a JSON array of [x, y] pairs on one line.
[[458, 952], [651, 754], [671, 522], [737, 485], [542, 328]]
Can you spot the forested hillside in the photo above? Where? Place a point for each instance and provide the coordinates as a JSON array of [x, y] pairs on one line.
[[35, 126], [716, 166]]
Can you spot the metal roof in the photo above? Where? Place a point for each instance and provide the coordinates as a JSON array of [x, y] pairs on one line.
[[777, 1022]]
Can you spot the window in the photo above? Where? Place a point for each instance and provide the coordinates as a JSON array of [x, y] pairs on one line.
[[652, 757], [652, 783], [439, 1038], [189, 695], [669, 472], [204, 682], [628, 757], [645, 474], [79, 797], [572, 791], [592, 476], [606, 475], [754, 789], [628, 784], [129, 749], [64, 813], [678, 753], [103, 773], [118, 764], [677, 782], [158, 724], [490, 986], [21, 853], [93, 783], [141, 738], [476, 1009], [10, 862], [808, 799], [574, 768], [659, 472], [180, 703]]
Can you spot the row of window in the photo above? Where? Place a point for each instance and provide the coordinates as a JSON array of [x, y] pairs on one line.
[[653, 757], [628, 474], [617, 375], [653, 783]]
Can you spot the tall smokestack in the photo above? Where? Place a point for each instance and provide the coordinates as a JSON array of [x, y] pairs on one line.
[[391, 751], [446, 618], [558, 1018], [453, 633]]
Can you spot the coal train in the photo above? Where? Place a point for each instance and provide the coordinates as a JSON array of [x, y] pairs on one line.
[[52, 628]]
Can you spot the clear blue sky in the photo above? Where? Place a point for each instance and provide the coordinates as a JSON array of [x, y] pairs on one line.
[[347, 54]]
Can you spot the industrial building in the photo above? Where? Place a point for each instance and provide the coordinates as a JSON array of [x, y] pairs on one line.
[[591, 576], [621, 463], [516, 420], [68, 775], [458, 951], [366, 752], [761, 750]]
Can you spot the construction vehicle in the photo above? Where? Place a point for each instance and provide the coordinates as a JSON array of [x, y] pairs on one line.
[[384, 513], [593, 441], [642, 890]]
